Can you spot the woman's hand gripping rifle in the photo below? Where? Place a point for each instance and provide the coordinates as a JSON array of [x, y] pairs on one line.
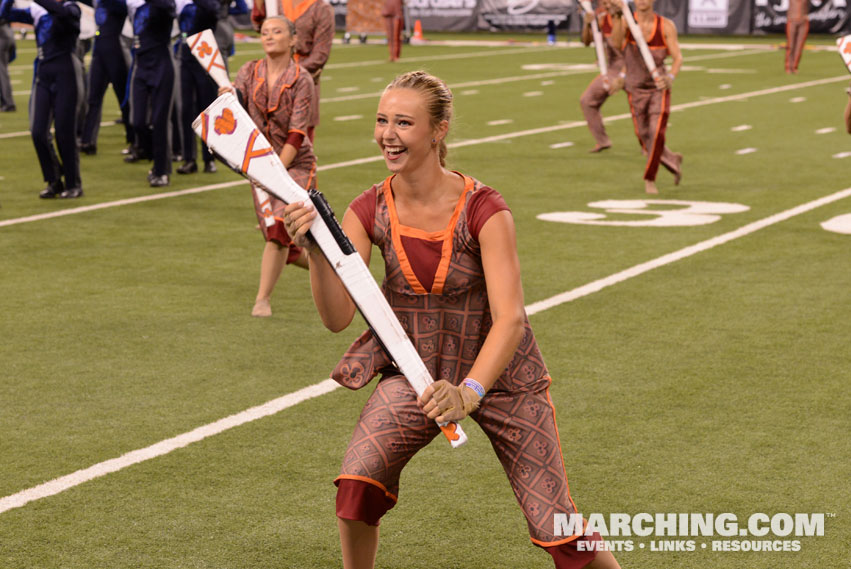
[[228, 130]]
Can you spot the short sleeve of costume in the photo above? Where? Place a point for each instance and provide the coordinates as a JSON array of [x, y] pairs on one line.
[[303, 94], [484, 203], [364, 207]]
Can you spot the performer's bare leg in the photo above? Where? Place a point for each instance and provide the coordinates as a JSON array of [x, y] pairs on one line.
[[271, 265], [359, 542]]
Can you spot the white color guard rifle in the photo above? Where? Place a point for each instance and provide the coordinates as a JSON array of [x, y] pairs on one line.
[[228, 130], [638, 36], [205, 49], [843, 44], [599, 46], [271, 8]]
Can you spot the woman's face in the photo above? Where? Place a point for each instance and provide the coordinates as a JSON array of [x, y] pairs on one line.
[[403, 130], [276, 37]]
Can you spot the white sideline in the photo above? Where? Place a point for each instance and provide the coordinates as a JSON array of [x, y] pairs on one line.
[[164, 447], [458, 144], [326, 386]]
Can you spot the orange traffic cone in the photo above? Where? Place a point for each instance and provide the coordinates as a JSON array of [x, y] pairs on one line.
[[418, 31]]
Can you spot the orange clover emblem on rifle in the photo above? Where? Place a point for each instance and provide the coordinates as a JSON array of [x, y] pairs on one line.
[[226, 122], [204, 49]]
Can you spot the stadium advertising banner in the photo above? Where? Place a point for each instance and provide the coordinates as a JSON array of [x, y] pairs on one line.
[[707, 13], [720, 16], [523, 14], [444, 15], [826, 16]]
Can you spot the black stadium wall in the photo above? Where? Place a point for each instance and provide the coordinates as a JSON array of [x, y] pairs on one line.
[[722, 17]]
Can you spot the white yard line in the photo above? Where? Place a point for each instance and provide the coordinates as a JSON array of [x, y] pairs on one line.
[[164, 447], [683, 253], [459, 144], [454, 86], [328, 385]]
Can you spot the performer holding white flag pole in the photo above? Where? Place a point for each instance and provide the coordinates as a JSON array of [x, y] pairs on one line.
[[649, 39], [597, 27], [453, 277]]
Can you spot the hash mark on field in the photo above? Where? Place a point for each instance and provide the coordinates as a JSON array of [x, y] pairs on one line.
[[838, 224], [470, 92], [724, 87], [842, 155], [741, 127], [548, 82], [826, 130], [347, 89], [348, 117], [500, 121], [797, 99], [745, 151], [561, 145], [533, 93]]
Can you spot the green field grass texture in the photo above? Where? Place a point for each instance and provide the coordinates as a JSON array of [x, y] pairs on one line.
[[716, 383]]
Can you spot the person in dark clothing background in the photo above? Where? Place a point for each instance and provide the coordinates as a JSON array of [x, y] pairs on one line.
[[197, 89], [55, 92], [152, 85], [108, 66], [7, 55]]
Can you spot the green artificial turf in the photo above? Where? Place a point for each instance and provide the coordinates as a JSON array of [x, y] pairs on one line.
[[717, 383]]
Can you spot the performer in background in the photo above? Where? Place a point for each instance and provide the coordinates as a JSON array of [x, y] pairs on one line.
[[197, 88], [649, 98], [108, 66], [152, 84], [277, 92], [601, 88], [314, 22], [453, 278], [56, 91], [224, 28], [394, 20], [848, 111], [797, 29], [7, 55]]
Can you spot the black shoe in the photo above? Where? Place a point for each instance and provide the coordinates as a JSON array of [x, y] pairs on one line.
[[52, 190], [72, 193], [158, 181], [135, 155], [210, 168], [188, 168], [8, 109], [90, 149]]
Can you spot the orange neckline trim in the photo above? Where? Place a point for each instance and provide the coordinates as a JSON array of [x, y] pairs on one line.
[[293, 13], [445, 235], [261, 81]]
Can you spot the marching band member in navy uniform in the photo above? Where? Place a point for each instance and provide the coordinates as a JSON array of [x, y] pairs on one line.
[[197, 89], [152, 84], [7, 55], [108, 66], [55, 92]]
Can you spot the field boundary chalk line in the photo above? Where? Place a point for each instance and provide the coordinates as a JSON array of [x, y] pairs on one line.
[[274, 406]]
